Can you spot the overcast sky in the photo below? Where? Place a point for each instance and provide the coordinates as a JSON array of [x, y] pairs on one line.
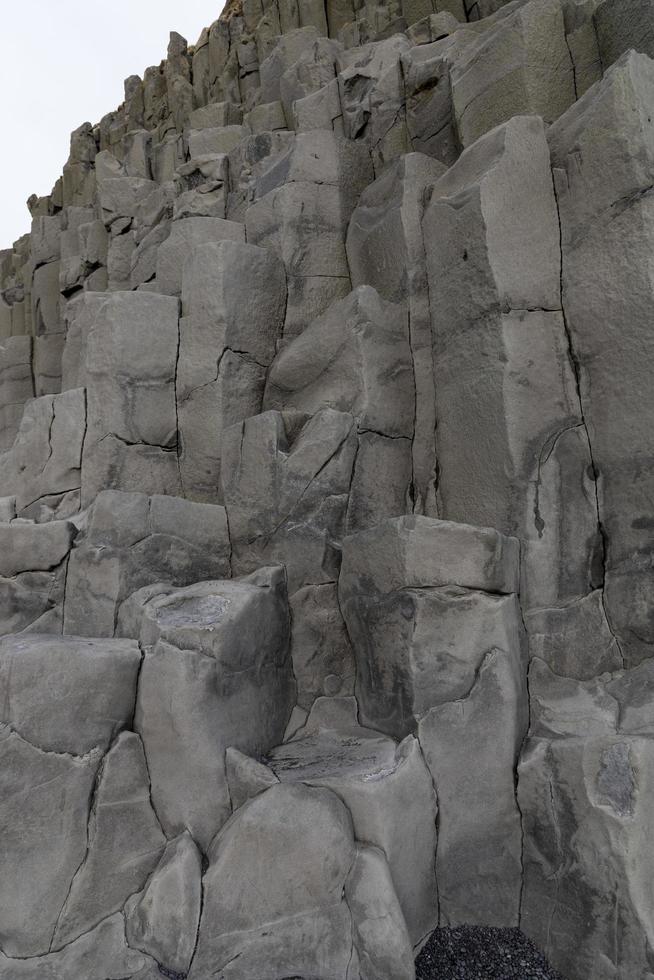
[[62, 63]]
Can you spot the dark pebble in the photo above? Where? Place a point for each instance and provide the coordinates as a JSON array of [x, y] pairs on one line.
[[482, 953]]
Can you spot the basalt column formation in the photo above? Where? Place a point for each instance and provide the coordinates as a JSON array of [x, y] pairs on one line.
[[327, 502]]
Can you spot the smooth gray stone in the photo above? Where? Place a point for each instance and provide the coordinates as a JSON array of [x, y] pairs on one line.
[[233, 301], [246, 777], [16, 385], [274, 889], [217, 673], [585, 807], [606, 303], [355, 358], [521, 66], [39, 855], [380, 933], [185, 234], [374, 776], [67, 694], [163, 919], [132, 417], [125, 842], [285, 483], [94, 956], [132, 541], [44, 463], [34, 547], [323, 662]]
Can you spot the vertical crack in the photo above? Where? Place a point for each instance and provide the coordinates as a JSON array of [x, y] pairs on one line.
[[576, 368]]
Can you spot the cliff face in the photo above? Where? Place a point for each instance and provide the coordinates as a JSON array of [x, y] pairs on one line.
[[326, 502]]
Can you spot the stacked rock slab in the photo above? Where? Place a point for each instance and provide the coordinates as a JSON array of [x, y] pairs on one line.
[[326, 502]]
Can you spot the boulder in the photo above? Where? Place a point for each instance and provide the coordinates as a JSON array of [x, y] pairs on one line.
[[67, 694], [217, 673], [435, 623], [374, 776], [132, 540], [163, 919], [125, 842]]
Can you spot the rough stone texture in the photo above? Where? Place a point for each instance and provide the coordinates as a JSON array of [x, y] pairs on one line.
[[217, 673], [374, 776], [438, 640], [132, 540], [325, 505]]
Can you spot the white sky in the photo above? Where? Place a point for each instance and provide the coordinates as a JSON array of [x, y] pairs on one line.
[[62, 63]]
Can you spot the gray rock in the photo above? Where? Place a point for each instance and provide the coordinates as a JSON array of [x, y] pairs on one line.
[[380, 934], [125, 842], [233, 304], [132, 418], [323, 662], [132, 541], [585, 807], [286, 487], [94, 956], [374, 776], [66, 694], [163, 919], [246, 777], [273, 893], [26, 547], [184, 236], [211, 679], [39, 855], [16, 385], [43, 467], [604, 309], [521, 65], [440, 651]]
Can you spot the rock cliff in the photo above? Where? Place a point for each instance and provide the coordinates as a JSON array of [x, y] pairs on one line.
[[327, 502]]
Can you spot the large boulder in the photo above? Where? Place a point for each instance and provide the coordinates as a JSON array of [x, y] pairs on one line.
[[433, 613], [374, 776], [217, 673]]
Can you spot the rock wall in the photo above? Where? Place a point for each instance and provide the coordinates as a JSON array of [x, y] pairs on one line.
[[326, 482]]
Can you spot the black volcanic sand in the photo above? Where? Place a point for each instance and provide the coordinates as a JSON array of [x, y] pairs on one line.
[[482, 953]]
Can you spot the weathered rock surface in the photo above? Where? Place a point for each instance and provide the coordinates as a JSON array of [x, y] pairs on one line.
[[325, 502], [217, 673]]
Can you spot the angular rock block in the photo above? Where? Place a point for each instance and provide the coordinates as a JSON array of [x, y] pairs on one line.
[[233, 305], [293, 908], [49, 333], [433, 614], [511, 442], [374, 776], [286, 482], [372, 99], [185, 235], [606, 301], [355, 358], [585, 801], [101, 952], [622, 26], [67, 695], [39, 855], [323, 662], [163, 919], [217, 673], [522, 65], [42, 470], [125, 841], [131, 441], [304, 205], [131, 541], [33, 564], [16, 385], [385, 249]]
